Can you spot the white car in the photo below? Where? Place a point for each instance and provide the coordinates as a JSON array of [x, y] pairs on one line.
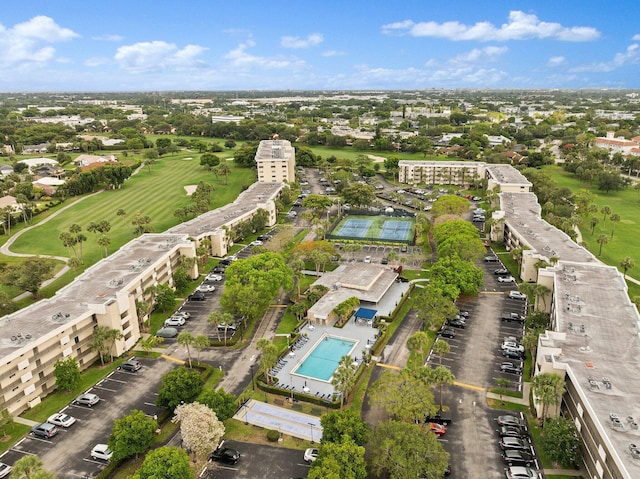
[[512, 346], [62, 420], [182, 314], [213, 277], [174, 321], [5, 469], [310, 455], [206, 288], [367, 259], [517, 295], [256, 243], [101, 451], [506, 279]]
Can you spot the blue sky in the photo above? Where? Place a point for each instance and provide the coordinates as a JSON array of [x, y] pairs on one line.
[[139, 45]]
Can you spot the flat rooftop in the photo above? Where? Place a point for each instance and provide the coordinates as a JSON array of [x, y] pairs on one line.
[[507, 174], [369, 282], [522, 212], [602, 346], [97, 285], [269, 150], [250, 199]]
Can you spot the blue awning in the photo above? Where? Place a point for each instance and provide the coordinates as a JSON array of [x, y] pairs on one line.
[[366, 313]]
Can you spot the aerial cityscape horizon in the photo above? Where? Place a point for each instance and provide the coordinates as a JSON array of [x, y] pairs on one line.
[[337, 46]]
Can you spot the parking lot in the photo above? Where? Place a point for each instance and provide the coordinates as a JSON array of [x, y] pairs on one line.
[[475, 360], [68, 453]]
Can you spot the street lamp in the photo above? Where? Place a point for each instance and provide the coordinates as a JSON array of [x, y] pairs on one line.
[[311, 424], [253, 384]]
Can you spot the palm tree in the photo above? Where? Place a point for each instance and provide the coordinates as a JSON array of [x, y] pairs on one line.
[[417, 344], [606, 211], [593, 223], [441, 376], [627, 263], [441, 348], [186, 339], [344, 377], [602, 240], [530, 343], [614, 219], [548, 389], [200, 342], [269, 357], [541, 291], [104, 241], [216, 319]]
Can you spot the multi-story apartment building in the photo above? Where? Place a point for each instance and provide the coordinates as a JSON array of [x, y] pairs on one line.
[[276, 161], [34, 338]]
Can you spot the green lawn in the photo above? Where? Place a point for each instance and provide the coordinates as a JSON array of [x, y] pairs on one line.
[[624, 203], [156, 193]]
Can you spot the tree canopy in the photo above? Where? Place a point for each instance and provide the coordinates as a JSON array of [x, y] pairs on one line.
[[132, 434], [179, 385], [165, 463], [200, 428]]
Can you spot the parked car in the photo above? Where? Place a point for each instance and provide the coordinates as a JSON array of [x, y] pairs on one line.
[[509, 420], [512, 346], [436, 428], [367, 259], [131, 365], [310, 455], [206, 288], [463, 313], [514, 443], [101, 451], [510, 317], [501, 271], [511, 431], [491, 259], [478, 219], [506, 279], [447, 333], [510, 368], [521, 472], [517, 295], [224, 454], [87, 399], [258, 242], [219, 269], [5, 469], [223, 326], [213, 277], [457, 323], [167, 333], [182, 314], [384, 260], [197, 296], [61, 419], [512, 354], [174, 321], [513, 457], [45, 430]]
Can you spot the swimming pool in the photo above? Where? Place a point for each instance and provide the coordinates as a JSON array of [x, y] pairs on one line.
[[321, 362]]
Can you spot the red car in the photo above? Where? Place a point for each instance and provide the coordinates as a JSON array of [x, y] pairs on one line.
[[438, 429]]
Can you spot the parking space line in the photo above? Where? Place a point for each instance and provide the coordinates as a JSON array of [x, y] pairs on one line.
[[388, 366], [469, 386], [116, 380], [106, 389], [171, 358]]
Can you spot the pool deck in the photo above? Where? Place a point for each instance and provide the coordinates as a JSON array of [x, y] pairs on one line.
[[362, 332]]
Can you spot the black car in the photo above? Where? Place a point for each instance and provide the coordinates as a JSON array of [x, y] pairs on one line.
[[456, 323], [132, 365], [447, 333], [510, 368], [225, 454], [513, 457], [218, 269], [511, 354], [440, 417], [197, 296], [501, 271]]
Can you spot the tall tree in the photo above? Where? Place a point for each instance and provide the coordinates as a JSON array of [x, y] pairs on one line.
[[165, 463], [269, 357], [186, 339], [200, 428], [344, 377], [602, 240], [178, 386], [626, 264], [132, 434], [615, 218], [337, 424], [30, 467], [418, 345], [67, 374], [548, 389], [441, 376], [343, 459]]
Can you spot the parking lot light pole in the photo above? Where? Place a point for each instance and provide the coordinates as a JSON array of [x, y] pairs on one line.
[[311, 424]]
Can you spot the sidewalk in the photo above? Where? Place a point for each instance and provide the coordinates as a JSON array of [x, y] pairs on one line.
[[526, 388]]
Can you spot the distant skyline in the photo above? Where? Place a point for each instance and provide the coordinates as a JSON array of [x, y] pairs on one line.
[[141, 45]]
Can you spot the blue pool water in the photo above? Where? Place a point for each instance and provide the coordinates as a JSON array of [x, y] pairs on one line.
[[324, 358]]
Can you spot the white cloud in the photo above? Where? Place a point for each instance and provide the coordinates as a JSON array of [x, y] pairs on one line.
[[630, 57], [96, 61], [157, 56], [297, 42], [239, 58], [636, 37], [486, 54], [333, 53], [521, 26], [556, 61], [30, 41], [108, 38]]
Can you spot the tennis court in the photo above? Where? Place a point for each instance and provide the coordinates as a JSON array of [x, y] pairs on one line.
[[395, 230], [355, 227], [374, 228]]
